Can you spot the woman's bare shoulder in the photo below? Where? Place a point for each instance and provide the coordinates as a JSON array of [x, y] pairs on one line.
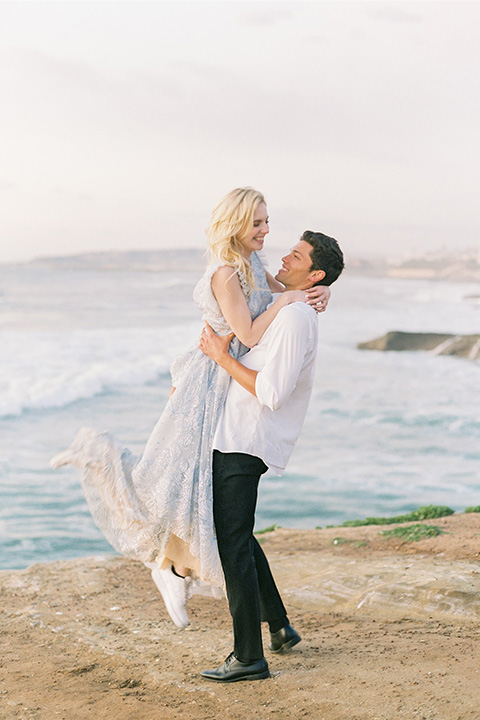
[[224, 272], [226, 282]]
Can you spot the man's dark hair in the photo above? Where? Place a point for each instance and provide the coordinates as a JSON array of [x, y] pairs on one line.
[[326, 255]]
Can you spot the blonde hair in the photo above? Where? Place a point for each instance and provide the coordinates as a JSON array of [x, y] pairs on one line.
[[230, 223]]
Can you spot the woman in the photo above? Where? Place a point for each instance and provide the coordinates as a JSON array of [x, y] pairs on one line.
[[158, 508]]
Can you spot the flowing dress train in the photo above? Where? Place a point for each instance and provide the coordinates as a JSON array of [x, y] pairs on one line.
[[159, 507]]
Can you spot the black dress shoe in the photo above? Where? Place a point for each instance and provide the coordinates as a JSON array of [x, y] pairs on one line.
[[284, 639], [233, 670]]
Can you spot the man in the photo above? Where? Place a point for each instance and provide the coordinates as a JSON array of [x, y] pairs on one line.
[[263, 414]]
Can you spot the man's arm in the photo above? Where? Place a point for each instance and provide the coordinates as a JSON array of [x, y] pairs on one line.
[[216, 347], [288, 345], [286, 351]]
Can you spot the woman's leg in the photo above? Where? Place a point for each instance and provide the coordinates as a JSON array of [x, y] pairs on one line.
[[177, 555]]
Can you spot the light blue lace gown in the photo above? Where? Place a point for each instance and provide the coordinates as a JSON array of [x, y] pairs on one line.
[[142, 503]]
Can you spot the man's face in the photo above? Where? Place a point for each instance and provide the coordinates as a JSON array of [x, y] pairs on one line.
[[295, 272]]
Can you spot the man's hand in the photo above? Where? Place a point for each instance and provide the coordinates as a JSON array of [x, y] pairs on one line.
[[215, 346]]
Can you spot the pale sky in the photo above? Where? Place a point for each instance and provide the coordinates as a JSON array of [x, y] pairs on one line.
[[123, 123]]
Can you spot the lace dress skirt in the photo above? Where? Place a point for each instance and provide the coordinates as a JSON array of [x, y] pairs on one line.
[[159, 507]]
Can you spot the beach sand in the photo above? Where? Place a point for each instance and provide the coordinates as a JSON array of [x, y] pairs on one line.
[[390, 632]]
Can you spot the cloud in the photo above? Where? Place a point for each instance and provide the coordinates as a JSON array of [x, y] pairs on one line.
[[393, 13], [265, 14], [148, 125]]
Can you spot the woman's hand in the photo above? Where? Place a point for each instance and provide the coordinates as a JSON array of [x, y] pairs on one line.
[[213, 345], [291, 296], [318, 297]]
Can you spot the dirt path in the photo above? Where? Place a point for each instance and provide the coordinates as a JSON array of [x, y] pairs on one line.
[[390, 632]]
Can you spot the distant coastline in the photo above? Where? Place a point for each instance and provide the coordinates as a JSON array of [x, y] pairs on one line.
[[464, 266], [461, 267], [187, 259]]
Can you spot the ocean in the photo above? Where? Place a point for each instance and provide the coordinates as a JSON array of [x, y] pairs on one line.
[[85, 345]]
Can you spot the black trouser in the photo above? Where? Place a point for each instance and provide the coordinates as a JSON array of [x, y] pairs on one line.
[[251, 590]]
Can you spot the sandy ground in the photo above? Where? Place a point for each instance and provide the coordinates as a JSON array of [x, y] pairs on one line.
[[390, 632]]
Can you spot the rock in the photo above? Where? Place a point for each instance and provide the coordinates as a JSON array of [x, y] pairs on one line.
[[466, 346]]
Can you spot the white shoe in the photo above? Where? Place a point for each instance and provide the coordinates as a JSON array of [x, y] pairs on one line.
[[174, 591]]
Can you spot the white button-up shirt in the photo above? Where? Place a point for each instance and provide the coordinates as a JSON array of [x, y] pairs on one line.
[[268, 425]]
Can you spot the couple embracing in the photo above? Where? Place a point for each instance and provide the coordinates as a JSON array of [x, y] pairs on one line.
[[186, 507]]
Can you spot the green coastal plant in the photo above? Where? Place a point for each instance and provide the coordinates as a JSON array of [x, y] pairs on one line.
[[413, 533], [473, 509], [268, 529], [426, 512], [343, 541]]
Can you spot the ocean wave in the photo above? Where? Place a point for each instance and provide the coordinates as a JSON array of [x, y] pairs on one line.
[[51, 370]]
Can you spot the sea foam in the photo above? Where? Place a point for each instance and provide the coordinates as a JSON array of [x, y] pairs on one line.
[[41, 370]]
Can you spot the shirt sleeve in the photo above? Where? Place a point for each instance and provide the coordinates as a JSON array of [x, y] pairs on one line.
[[289, 342]]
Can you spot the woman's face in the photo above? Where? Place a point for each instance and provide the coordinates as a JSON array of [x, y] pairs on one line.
[[255, 238]]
